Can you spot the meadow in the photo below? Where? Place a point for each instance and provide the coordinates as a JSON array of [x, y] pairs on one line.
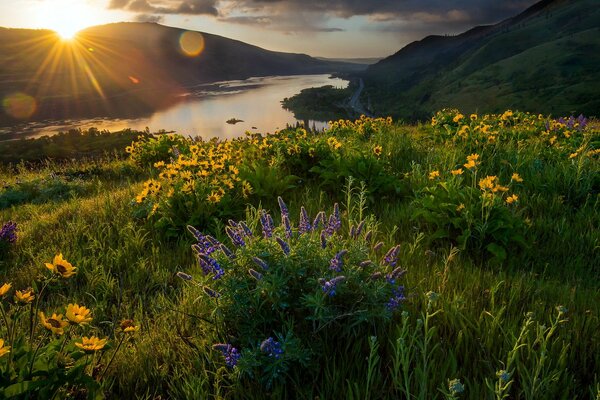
[[453, 259]]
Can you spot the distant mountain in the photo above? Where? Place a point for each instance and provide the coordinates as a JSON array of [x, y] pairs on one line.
[[545, 59], [129, 69]]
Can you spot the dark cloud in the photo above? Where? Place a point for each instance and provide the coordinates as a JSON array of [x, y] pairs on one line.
[[149, 18], [190, 7]]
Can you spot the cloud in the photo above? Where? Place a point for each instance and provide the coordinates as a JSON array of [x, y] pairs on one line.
[[149, 18], [184, 7]]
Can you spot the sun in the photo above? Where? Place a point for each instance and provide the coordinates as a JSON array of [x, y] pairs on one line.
[[66, 17]]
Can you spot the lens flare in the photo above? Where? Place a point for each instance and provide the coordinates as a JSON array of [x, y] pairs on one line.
[[191, 43], [19, 105]]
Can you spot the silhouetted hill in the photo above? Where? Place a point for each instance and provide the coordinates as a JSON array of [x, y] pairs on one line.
[[129, 69], [542, 60]]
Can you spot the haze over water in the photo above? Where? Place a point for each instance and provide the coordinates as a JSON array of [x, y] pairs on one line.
[[205, 110]]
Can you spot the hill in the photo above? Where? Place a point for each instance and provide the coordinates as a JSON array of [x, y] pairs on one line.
[[119, 69], [542, 60]]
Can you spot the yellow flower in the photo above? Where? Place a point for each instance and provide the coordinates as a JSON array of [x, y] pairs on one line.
[[460, 207], [25, 296], [458, 117], [512, 199], [55, 323], [573, 155], [473, 117], [91, 344], [507, 114], [516, 177], [61, 267], [4, 289], [377, 150], [471, 161], [457, 171], [246, 189], [233, 169], [78, 315], [214, 197], [434, 174], [159, 164], [488, 183], [129, 326], [3, 349], [140, 198], [433, 121]]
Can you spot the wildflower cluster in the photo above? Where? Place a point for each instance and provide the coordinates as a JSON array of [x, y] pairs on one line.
[[34, 341], [318, 268], [8, 236]]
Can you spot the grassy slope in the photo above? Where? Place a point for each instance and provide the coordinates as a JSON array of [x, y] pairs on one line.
[[127, 270]]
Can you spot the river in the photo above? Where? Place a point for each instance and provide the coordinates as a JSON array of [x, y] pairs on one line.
[[205, 110]]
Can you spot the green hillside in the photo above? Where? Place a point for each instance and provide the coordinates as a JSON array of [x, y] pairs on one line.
[[543, 60]]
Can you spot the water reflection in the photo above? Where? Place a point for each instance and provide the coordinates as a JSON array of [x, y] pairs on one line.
[[206, 109]]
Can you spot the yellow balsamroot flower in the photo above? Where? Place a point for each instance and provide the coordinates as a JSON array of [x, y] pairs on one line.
[[434, 174], [472, 161], [140, 198], [473, 117], [246, 189], [214, 197], [433, 121], [512, 199], [234, 170], [457, 171], [91, 344], [4, 289], [488, 183], [24, 296], [55, 323], [516, 177], [573, 155], [159, 164], [507, 114], [78, 315], [129, 326], [460, 207], [458, 117], [61, 267], [3, 349], [377, 150]]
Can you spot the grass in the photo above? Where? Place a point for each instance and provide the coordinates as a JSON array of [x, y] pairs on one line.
[[490, 315]]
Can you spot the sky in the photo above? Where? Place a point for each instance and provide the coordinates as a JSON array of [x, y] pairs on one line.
[[325, 28]]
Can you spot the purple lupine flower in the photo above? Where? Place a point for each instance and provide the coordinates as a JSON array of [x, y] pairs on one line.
[[323, 238], [375, 276], [184, 276], [205, 244], [235, 237], [287, 225], [228, 253], [267, 224], [8, 233], [319, 219], [391, 257], [360, 228], [368, 236], [304, 225], [337, 262], [394, 275], [365, 263], [210, 292], [285, 247], [329, 286], [210, 265], [175, 151], [283, 207], [231, 354], [261, 263], [247, 231], [271, 347], [255, 274], [582, 121], [397, 298], [352, 232], [232, 223], [378, 246]]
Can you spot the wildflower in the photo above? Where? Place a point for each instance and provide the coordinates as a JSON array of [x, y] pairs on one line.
[[3, 349], [460, 207], [231, 354], [245, 229], [473, 117], [210, 266], [377, 246], [304, 225], [397, 273], [8, 232], [472, 161], [457, 171], [455, 386], [360, 228], [434, 174], [488, 183], [391, 257], [24, 296], [368, 236], [573, 155], [337, 262], [267, 224], [255, 274], [4, 289], [323, 239], [458, 117], [516, 177], [56, 324], [129, 326], [283, 207], [319, 219], [503, 375], [214, 197], [246, 189], [235, 237], [397, 298], [335, 222], [512, 199], [285, 247], [228, 253], [261, 263], [91, 344], [329, 287], [271, 347], [285, 220], [78, 315], [61, 267], [377, 150], [210, 292]]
